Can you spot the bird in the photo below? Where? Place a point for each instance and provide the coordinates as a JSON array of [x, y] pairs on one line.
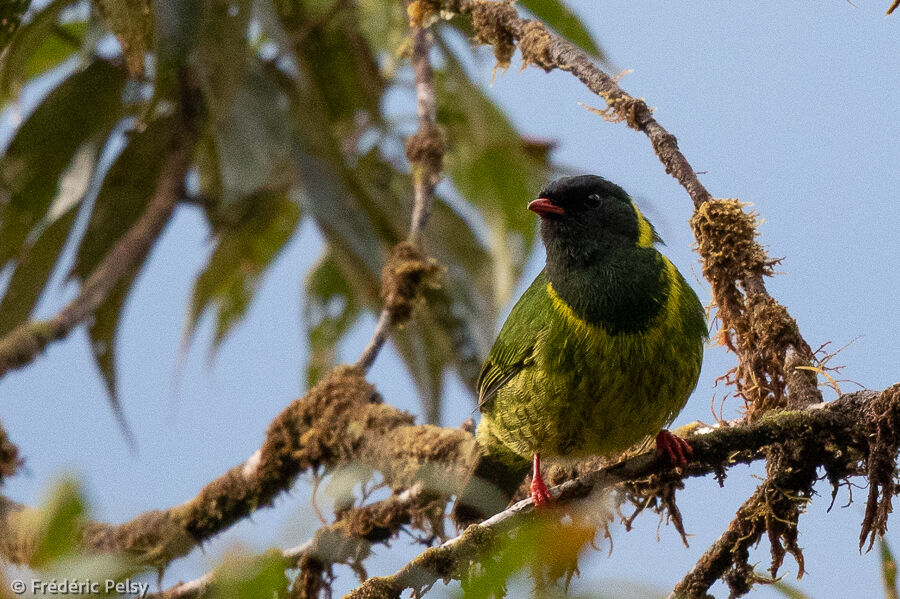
[[600, 352]]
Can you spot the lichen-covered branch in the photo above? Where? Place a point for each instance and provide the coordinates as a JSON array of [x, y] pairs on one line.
[[21, 345], [774, 510], [408, 269], [732, 546], [774, 367], [347, 541], [776, 505], [341, 420], [796, 443]]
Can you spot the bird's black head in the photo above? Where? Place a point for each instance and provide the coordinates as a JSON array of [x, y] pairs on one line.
[[587, 213]]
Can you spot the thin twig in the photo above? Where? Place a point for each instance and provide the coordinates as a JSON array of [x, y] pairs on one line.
[[426, 165], [426, 111], [379, 338]]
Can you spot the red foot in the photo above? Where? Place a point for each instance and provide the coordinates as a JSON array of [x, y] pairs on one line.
[[673, 448], [539, 493]]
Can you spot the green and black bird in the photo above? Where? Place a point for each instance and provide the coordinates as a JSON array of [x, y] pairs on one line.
[[600, 352]]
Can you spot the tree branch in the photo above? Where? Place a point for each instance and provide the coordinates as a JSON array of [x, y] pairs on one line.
[[827, 435], [10, 461], [340, 421], [346, 541]]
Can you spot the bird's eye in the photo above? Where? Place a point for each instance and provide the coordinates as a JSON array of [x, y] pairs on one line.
[[595, 197]]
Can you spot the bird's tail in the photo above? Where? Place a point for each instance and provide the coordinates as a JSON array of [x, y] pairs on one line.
[[497, 474]]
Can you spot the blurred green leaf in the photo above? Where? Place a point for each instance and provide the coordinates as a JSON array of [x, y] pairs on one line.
[[469, 281], [335, 58], [260, 577], [888, 570], [124, 193], [102, 332], [37, 47], [83, 107], [59, 521], [32, 272], [545, 547], [42, 249], [385, 25], [252, 143], [493, 169], [241, 255], [176, 25], [331, 309], [222, 50], [126, 190], [426, 354], [789, 591], [561, 19], [56, 47], [132, 23]]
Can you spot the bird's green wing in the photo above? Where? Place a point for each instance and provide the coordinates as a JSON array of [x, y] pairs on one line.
[[514, 348]]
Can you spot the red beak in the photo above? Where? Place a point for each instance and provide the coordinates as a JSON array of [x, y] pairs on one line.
[[543, 207]]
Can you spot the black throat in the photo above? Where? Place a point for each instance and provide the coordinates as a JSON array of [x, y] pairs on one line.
[[609, 282]]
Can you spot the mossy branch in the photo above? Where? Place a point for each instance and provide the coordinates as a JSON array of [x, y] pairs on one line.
[[10, 461], [342, 421], [347, 540], [795, 443]]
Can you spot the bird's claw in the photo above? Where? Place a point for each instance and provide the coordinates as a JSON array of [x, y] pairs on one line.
[[673, 448], [540, 495]]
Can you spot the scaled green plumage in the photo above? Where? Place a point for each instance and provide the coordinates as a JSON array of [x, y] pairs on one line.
[[604, 347]]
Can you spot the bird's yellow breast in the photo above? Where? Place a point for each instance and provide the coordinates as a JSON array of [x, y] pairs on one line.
[[587, 391]]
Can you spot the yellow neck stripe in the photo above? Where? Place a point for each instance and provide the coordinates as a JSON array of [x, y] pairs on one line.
[[645, 231], [668, 313], [580, 325]]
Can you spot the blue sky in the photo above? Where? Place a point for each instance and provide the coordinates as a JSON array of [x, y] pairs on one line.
[[790, 106]]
